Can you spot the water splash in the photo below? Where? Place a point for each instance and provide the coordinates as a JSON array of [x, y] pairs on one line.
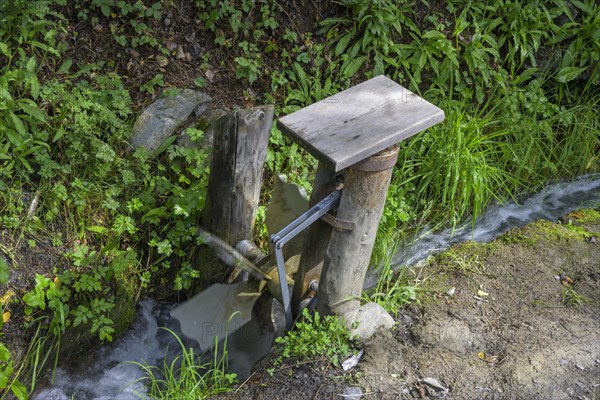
[[553, 202], [107, 373]]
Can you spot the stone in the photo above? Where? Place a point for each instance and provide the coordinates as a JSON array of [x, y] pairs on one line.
[[352, 393], [352, 361], [434, 383], [205, 120], [161, 119], [366, 320]]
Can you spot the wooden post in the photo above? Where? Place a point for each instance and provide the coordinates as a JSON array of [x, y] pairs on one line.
[[349, 253], [355, 130], [316, 238], [239, 152]]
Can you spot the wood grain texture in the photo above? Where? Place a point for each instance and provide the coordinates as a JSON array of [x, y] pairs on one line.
[[239, 152], [349, 253], [316, 238], [358, 122]]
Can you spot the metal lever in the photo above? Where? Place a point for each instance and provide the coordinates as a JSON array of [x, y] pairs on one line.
[[282, 237]]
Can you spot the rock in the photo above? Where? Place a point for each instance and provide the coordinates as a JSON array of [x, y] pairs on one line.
[[352, 361], [433, 383], [160, 119], [367, 319], [205, 120], [352, 393]]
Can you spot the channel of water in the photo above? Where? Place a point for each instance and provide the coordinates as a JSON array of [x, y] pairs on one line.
[[109, 374]]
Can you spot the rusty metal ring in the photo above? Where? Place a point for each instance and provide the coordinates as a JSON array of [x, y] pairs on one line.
[[381, 161]]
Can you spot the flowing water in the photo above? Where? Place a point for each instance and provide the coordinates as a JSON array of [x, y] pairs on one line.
[[109, 373], [551, 203]]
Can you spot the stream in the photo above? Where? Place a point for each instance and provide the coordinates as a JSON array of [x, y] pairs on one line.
[[109, 373]]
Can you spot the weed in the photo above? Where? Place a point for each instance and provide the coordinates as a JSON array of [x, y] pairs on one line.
[[185, 378], [572, 299], [394, 289], [130, 21], [149, 86], [466, 258], [315, 337]]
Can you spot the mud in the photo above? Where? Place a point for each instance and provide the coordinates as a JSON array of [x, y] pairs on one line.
[[523, 340]]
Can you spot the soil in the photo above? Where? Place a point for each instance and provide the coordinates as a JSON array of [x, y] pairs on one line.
[[520, 341], [26, 257], [180, 26]]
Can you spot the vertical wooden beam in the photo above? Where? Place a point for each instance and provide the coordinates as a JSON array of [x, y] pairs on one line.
[[239, 152], [349, 253], [316, 238]]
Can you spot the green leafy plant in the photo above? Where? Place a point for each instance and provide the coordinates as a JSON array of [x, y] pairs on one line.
[[374, 29], [315, 337], [130, 21], [157, 80], [6, 373]]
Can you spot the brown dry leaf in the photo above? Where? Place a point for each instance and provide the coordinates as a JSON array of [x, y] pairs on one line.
[[210, 74], [162, 61]]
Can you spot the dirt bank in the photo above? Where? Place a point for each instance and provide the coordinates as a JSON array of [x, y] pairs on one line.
[[523, 323]]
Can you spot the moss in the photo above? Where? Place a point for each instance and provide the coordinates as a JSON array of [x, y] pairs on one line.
[[590, 216], [122, 313], [542, 229]]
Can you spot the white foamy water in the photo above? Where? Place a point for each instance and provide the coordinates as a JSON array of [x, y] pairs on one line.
[[108, 373], [551, 203]]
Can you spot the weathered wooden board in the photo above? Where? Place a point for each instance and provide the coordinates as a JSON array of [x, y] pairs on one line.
[[355, 124], [239, 152]]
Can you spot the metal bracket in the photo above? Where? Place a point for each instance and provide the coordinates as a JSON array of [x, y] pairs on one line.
[[338, 224], [288, 233]]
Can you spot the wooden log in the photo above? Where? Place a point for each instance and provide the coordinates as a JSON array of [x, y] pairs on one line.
[[316, 237], [349, 253], [239, 152]]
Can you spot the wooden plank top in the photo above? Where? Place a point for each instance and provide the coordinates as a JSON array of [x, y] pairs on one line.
[[359, 122]]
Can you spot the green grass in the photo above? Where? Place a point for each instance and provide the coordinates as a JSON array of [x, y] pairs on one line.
[[572, 299], [184, 378], [395, 288]]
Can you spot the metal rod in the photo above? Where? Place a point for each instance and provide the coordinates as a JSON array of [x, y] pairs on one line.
[[288, 233], [304, 220], [285, 294], [229, 255]]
